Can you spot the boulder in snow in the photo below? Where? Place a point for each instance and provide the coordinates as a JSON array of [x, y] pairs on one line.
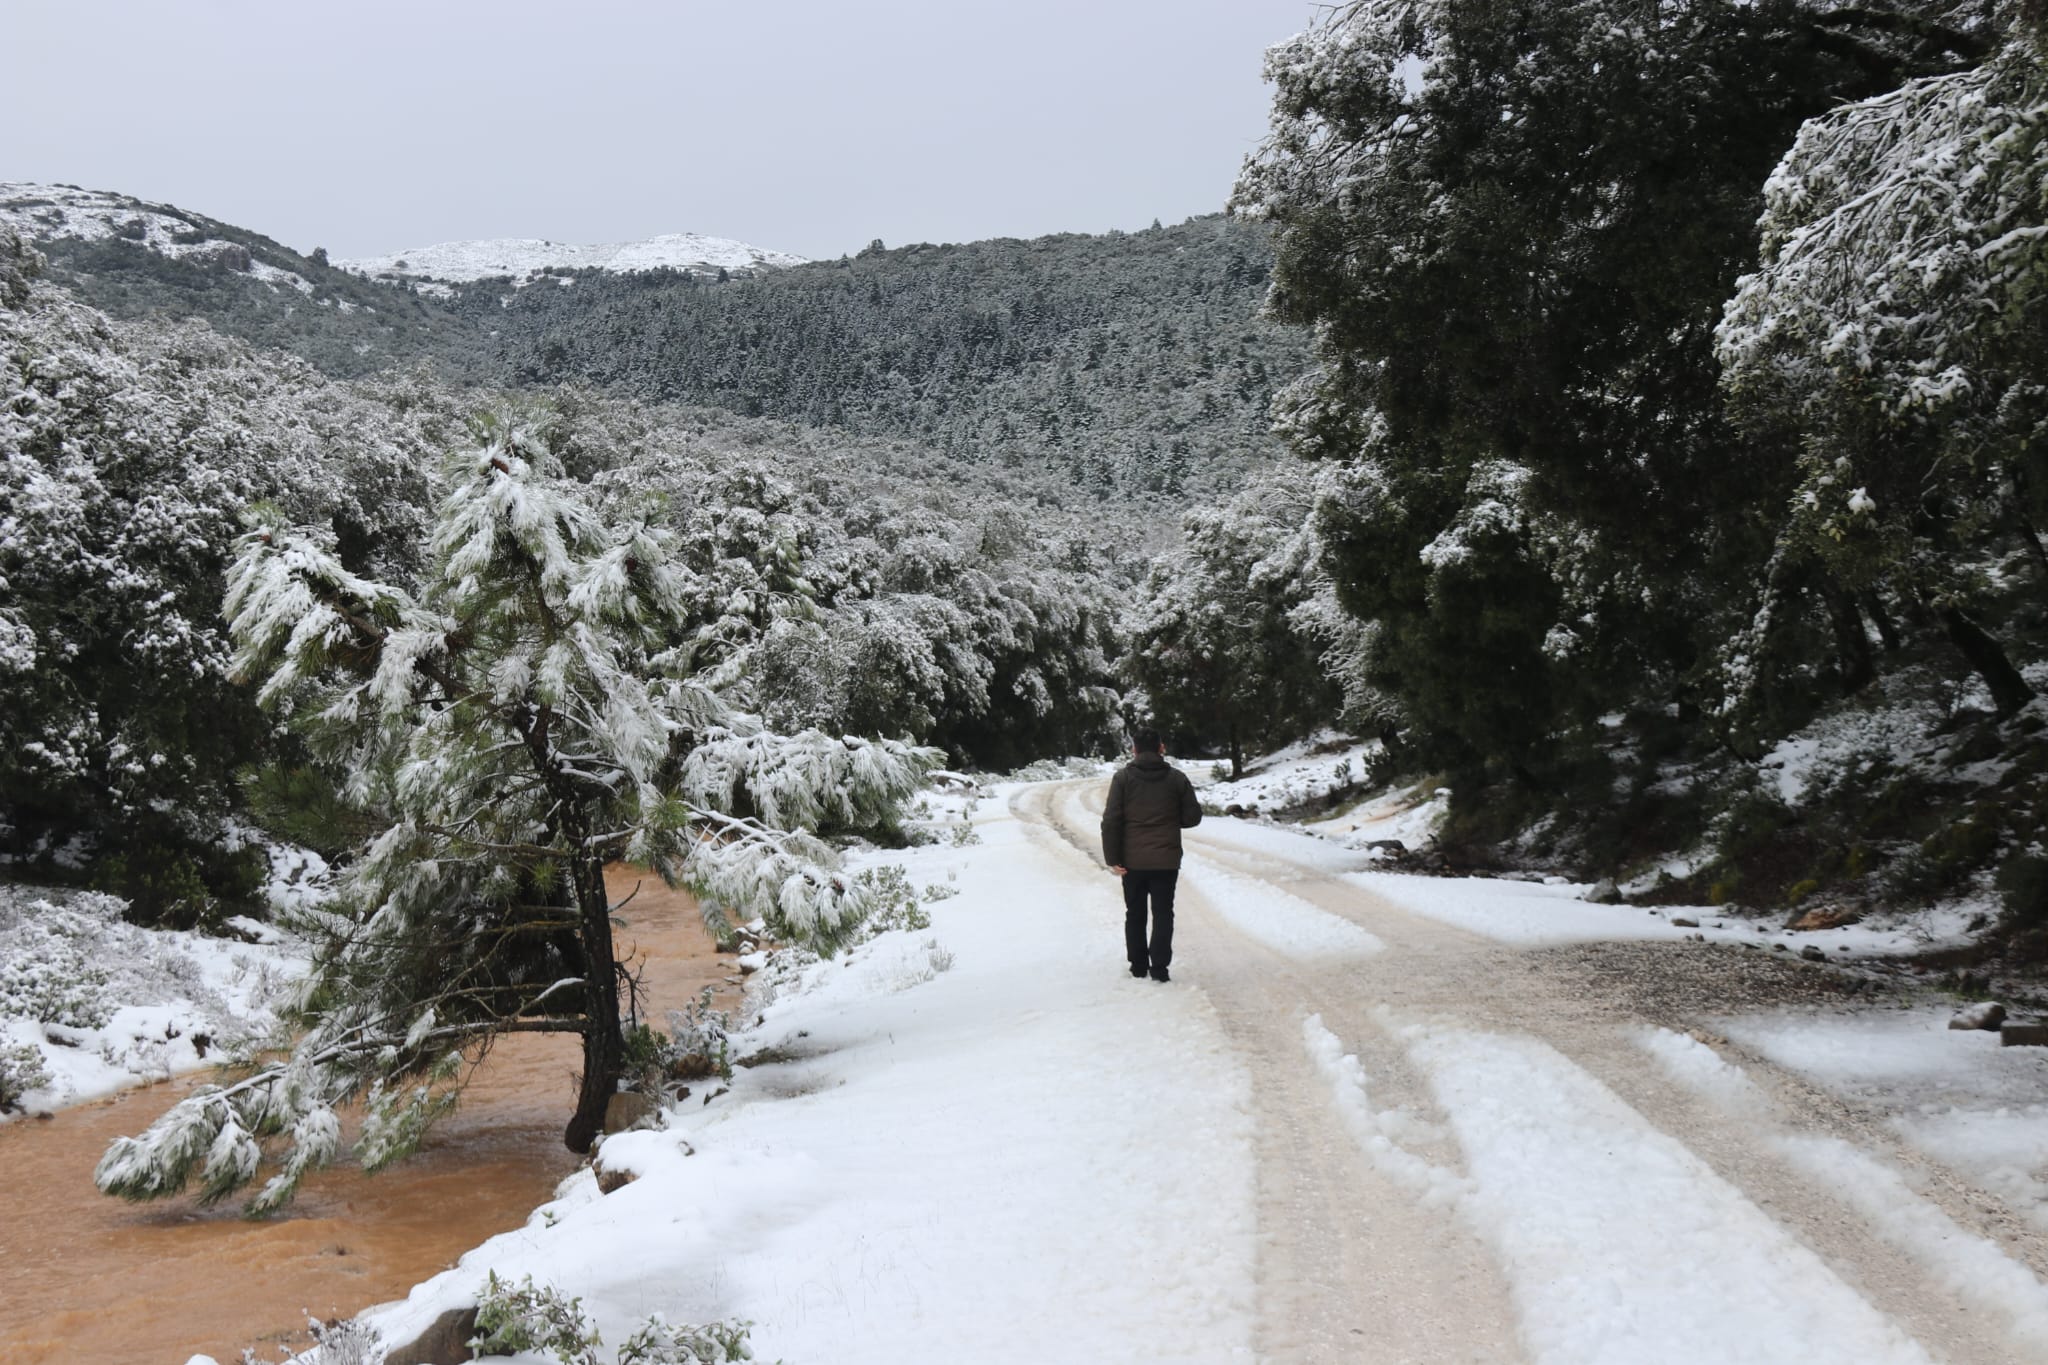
[[1985, 1014], [628, 1109], [445, 1342]]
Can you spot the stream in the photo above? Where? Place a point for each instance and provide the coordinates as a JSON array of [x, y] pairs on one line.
[[89, 1280]]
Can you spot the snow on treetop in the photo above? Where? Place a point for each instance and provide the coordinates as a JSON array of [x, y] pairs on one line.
[[523, 257]]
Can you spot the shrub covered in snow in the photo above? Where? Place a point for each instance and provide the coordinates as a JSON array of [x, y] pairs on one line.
[[514, 1318], [21, 1070]]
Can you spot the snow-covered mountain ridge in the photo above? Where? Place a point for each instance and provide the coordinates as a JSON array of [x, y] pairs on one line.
[[45, 213], [523, 258]]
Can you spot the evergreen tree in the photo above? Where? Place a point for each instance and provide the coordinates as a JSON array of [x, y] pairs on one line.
[[526, 717], [1513, 225], [1899, 328], [1217, 640]]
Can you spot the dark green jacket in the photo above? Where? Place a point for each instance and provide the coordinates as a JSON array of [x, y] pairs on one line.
[[1150, 803]]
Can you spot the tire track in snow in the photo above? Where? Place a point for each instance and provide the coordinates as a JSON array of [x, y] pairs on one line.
[[1436, 970], [1352, 1267], [1624, 1247]]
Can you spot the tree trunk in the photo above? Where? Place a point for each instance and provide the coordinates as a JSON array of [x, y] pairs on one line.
[[1851, 640], [2009, 691], [1236, 754], [1887, 629], [604, 1046]]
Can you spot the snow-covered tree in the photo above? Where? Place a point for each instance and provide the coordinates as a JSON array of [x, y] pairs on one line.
[[1899, 324], [1215, 640], [1512, 226], [125, 454], [525, 717]]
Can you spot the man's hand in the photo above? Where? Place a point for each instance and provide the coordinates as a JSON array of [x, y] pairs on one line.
[[1118, 870]]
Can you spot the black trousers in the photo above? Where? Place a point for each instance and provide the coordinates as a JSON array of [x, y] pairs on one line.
[[1141, 884]]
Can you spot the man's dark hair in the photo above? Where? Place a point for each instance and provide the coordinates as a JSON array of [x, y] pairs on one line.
[[1147, 742]]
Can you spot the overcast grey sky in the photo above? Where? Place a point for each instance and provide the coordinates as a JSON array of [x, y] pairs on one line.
[[801, 125]]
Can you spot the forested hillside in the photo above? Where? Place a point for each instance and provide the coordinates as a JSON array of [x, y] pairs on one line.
[[1134, 361], [1131, 361], [866, 586]]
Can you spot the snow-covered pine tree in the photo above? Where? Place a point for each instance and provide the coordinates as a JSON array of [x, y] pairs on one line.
[[525, 718], [1899, 322]]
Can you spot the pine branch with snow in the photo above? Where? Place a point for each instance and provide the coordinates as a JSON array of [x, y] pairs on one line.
[[523, 718]]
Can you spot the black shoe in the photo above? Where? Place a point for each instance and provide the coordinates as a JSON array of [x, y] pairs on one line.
[[1159, 974], [1137, 971]]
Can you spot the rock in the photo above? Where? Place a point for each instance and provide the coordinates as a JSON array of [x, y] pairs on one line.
[[628, 1109], [2032, 1033], [1605, 892], [445, 1342], [1682, 923], [1392, 846], [1826, 917], [1813, 954], [610, 1178], [1780, 948], [1985, 1014]]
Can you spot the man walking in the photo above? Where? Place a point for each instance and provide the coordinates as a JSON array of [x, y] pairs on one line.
[[1150, 803]]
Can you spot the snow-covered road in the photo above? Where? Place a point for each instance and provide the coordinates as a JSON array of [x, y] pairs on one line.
[[1347, 1131], [1530, 1173]]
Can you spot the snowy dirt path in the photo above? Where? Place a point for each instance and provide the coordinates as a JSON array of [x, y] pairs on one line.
[[1525, 1162]]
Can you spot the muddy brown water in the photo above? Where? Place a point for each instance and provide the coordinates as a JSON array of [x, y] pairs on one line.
[[88, 1280]]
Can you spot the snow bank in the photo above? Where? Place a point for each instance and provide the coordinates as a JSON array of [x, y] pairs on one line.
[[1565, 1175], [1292, 777], [1028, 1157], [109, 1005]]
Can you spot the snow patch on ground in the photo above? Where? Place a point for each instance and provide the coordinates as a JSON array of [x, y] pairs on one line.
[[1289, 778], [1563, 1173], [1954, 1094], [984, 1167], [1285, 923], [1705, 1072], [1410, 816], [108, 1005]]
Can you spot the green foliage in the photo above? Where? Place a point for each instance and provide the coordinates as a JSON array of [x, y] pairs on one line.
[[660, 1342], [192, 887], [895, 901], [1514, 227], [528, 1317], [529, 714]]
